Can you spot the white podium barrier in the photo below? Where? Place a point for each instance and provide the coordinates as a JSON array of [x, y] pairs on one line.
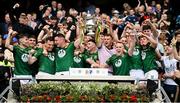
[[88, 72], [85, 78], [78, 77]]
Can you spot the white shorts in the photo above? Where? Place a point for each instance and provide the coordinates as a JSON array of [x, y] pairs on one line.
[[137, 73], [152, 74], [44, 73], [29, 80]]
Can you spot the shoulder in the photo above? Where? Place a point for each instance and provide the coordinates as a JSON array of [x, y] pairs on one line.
[[70, 44], [163, 57]]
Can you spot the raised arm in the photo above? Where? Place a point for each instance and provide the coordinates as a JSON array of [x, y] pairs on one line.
[[45, 32], [78, 30], [174, 41], [115, 35], [146, 5], [68, 34], [158, 54], [139, 4], [130, 26], [77, 42], [152, 40], [153, 28], [8, 40], [132, 44]]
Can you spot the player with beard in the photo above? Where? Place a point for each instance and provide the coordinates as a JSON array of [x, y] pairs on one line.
[[45, 60]]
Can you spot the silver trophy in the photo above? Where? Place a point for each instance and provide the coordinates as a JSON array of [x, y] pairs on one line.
[[90, 25]]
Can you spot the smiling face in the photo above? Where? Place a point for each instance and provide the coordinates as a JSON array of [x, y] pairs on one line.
[[32, 42], [59, 41], [147, 32], [119, 48], [90, 45], [124, 40], [49, 45], [108, 41]]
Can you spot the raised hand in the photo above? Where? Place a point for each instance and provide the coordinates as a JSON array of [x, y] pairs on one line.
[[173, 41], [17, 5]]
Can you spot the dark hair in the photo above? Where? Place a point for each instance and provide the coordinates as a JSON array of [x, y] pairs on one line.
[[53, 18], [177, 32], [146, 27], [32, 36], [49, 39], [21, 36], [92, 40], [59, 35], [108, 35]]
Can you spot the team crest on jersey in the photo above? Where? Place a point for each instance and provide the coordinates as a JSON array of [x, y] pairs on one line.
[[77, 59], [24, 57], [61, 53], [51, 57], [118, 63], [135, 52], [143, 54], [95, 57]]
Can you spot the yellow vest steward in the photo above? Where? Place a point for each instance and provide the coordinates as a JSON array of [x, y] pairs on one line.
[[2, 63]]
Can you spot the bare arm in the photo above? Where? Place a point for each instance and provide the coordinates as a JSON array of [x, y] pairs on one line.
[[153, 28], [31, 59], [40, 36], [124, 31], [146, 5], [158, 55], [68, 34], [48, 34], [175, 53], [115, 35], [45, 32], [174, 41], [137, 7], [104, 65], [152, 41], [166, 22], [78, 30], [77, 42], [8, 40], [129, 25], [132, 45]]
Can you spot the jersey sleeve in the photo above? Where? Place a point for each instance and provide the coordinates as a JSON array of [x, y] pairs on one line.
[[38, 53], [109, 61]]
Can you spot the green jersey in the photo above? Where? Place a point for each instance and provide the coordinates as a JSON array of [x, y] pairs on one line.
[[64, 58], [35, 66], [46, 63], [149, 58], [136, 61], [78, 61], [21, 61], [120, 64], [93, 56]]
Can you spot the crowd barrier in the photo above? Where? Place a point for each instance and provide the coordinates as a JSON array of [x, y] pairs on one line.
[[126, 79]]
